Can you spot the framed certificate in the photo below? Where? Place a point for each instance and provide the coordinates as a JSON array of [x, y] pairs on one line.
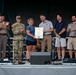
[[39, 32]]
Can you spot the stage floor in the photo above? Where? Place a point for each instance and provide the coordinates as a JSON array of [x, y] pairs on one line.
[[64, 65], [26, 69]]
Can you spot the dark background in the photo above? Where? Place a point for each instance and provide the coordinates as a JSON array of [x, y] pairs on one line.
[[33, 8]]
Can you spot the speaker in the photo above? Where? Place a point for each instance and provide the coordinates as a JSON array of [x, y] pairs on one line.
[[40, 58], [69, 60]]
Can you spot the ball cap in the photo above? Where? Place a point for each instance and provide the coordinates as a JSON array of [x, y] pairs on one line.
[[18, 17]]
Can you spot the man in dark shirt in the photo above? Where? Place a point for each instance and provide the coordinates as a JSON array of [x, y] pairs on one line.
[[60, 32]]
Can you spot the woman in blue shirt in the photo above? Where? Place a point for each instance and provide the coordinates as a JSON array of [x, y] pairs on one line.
[[31, 40]]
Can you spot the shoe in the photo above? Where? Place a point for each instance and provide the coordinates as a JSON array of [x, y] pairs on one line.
[[59, 60], [5, 59], [65, 60], [27, 62], [21, 63], [15, 63]]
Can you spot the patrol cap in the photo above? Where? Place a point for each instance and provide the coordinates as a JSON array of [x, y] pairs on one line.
[[18, 17]]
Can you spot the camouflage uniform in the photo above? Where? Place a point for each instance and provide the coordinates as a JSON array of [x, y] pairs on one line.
[[18, 41]]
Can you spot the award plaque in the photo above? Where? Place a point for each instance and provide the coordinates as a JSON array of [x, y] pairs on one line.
[[39, 32]]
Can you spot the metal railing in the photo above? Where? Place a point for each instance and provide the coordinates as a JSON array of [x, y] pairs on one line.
[[54, 55]]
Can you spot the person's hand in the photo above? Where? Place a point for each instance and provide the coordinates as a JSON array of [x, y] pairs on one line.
[[44, 31], [69, 26], [57, 36], [34, 37], [21, 30], [7, 23], [3, 22]]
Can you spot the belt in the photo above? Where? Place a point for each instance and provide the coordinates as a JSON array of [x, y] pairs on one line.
[[46, 34], [73, 36], [3, 34]]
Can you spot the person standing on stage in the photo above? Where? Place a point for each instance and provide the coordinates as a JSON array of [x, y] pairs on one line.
[[3, 37], [60, 32], [71, 29], [18, 30], [47, 31], [31, 40]]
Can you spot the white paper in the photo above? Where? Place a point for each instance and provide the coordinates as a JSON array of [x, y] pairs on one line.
[[39, 32]]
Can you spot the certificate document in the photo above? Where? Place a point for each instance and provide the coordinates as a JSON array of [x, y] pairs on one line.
[[39, 32]]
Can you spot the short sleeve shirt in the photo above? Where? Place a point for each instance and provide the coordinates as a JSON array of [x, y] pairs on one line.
[[32, 31], [46, 26], [59, 26], [73, 26]]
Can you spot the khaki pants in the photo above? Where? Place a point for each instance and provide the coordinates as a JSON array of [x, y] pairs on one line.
[[46, 42], [71, 44], [3, 44]]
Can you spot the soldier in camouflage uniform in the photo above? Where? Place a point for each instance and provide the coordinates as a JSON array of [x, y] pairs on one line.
[[18, 30]]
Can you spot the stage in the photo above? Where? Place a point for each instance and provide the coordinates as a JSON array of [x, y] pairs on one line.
[[25, 69]]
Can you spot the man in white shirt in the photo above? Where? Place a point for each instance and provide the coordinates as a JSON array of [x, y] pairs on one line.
[[47, 30]]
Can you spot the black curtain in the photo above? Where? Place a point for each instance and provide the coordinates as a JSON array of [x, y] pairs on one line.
[[33, 8], [1, 6]]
